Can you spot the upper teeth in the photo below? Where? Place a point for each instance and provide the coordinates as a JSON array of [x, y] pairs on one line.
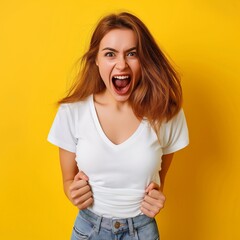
[[121, 77]]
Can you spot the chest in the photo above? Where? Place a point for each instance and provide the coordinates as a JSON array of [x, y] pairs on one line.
[[136, 160], [117, 125]]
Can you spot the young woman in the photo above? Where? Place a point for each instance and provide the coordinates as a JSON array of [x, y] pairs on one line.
[[117, 131]]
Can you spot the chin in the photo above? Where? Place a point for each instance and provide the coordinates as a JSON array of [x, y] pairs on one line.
[[121, 98]]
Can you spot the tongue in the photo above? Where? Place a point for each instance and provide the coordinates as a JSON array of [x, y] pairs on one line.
[[121, 83]]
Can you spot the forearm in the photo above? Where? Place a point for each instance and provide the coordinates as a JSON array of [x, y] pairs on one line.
[[162, 175], [75, 182], [66, 188]]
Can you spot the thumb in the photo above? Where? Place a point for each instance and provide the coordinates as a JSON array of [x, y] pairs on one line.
[[152, 186], [81, 176]]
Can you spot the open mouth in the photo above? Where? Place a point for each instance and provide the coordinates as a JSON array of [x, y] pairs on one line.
[[121, 83]]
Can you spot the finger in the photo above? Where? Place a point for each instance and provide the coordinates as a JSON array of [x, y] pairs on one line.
[[81, 175], [77, 185], [80, 192], [152, 186], [156, 194], [159, 203], [152, 208], [148, 213], [82, 199], [86, 204]]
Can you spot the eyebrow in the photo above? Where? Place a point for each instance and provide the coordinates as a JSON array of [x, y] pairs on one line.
[[114, 50]]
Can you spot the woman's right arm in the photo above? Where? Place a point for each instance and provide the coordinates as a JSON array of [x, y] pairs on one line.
[[75, 183]]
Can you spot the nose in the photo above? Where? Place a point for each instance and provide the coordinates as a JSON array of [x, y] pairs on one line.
[[121, 63]]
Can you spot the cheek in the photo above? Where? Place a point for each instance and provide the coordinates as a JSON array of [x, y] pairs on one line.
[[137, 70], [104, 73], [105, 68], [102, 70]]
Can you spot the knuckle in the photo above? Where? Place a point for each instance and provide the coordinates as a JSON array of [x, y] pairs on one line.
[[76, 202], [151, 214], [72, 187], [160, 204], [150, 193], [83, 181], [157, 210], [89, 194], [147, 197], [143, 203], [80, 207], [84, 205], [72, 195]]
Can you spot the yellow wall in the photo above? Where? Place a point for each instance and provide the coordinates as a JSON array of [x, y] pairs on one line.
[[40, 41]]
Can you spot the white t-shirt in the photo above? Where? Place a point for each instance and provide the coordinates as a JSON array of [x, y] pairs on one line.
[[118, 174]]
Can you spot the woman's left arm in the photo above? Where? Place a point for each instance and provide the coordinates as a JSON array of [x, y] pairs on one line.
[[154, 199], [166, 162]]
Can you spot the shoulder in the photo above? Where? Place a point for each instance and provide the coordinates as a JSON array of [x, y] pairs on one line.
[[174, 133], [75, 107], [175, 120]]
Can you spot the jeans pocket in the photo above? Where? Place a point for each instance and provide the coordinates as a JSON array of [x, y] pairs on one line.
[[82, 229], [148, 231], [78, 235]]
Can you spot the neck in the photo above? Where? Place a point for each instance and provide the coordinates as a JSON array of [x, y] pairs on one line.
[[106, 99]]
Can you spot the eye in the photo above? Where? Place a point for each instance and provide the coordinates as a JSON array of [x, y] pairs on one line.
[[132, 54], [109, 54]]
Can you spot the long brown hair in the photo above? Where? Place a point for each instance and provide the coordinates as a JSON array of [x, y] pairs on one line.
[[157, 97]]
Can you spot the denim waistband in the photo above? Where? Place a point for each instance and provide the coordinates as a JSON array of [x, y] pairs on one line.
[[114, 224]]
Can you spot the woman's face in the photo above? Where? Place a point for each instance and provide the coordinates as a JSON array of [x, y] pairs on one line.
[[118, 63]]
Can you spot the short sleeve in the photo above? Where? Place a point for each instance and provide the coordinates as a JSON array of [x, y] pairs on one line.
[[175, 134], [62, 132]]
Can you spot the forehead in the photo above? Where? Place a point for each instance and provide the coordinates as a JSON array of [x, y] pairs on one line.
[[119, 38]]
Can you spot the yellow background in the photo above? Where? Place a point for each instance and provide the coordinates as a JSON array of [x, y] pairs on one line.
[[40, 40]]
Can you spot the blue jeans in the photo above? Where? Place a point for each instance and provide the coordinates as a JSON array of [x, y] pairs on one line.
[[89, 226]]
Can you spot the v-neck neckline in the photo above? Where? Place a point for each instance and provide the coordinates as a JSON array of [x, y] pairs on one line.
[[104, 137]]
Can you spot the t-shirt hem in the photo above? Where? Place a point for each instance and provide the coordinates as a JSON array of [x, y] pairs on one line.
[[175, 148]]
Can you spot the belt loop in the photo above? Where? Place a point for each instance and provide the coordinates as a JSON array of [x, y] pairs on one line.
[[98, 224], [130, 226]]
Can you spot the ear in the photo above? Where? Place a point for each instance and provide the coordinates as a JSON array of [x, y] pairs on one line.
[[96, 61]]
